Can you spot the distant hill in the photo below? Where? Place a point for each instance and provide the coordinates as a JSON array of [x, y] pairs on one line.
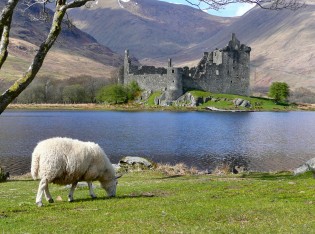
[[282, 41], [148, 28], [74, 53]]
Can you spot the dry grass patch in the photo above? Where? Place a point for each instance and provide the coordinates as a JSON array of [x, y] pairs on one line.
[[178, 169]]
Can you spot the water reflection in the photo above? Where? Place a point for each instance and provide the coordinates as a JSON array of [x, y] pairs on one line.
[[261, 141]]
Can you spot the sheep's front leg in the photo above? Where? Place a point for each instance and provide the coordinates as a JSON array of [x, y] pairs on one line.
[[92, 194], [43, 185], [70, 196]]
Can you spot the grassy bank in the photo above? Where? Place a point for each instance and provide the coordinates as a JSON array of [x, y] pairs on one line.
[[149, 202], [220, 101]]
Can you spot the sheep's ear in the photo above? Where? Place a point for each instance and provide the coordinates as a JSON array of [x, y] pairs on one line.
[[118, 176]]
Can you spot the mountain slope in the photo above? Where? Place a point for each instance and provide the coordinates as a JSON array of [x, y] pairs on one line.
[[74, 53], [282, 43], [148, 28]]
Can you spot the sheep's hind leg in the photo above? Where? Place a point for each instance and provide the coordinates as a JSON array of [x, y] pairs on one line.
[[41, 187], [92, 194], [70, 196], [48, 195]]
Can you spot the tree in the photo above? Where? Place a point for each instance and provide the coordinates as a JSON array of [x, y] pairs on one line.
[[280, 91], [60, 11], [74, 94], [5, 26]]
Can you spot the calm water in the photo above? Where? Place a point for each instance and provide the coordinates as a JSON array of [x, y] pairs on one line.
[[265, 141]]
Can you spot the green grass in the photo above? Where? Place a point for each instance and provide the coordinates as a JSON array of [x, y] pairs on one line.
[[150, 101], [224, 101], [148, 202]]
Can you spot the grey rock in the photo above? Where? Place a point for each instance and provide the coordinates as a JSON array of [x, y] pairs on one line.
[[238, 101], [133, 161], [246, 104], [307, 166], [241, 102]]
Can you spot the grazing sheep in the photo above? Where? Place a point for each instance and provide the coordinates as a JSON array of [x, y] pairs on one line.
[[68, 161], [307, 166]]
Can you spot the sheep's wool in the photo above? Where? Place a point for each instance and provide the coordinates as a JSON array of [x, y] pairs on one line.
[[64, 160]]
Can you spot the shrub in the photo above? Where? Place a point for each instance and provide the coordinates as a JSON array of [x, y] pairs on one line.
[[3, 175], [118, 94], [132, 90], [112, 94]]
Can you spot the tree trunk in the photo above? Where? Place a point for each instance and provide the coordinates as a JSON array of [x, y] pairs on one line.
[[5, 25], [9, 95]]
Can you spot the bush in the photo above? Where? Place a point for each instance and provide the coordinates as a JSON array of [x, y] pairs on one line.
[[3, 175], [118, 94], [112, 94], [133, 90]]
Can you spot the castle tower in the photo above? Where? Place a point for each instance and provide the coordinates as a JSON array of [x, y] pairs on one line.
[[121, 80], [175, 84]]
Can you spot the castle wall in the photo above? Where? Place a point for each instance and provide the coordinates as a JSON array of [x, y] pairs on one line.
[[221, 71], [154, 82]]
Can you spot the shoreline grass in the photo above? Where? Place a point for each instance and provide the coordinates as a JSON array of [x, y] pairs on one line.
[[150, 202], [140, 107]]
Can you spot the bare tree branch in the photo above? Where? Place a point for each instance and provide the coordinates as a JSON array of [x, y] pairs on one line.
[[264, 4], [61, 7]]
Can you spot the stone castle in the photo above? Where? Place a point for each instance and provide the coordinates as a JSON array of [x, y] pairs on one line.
[[221, 71]]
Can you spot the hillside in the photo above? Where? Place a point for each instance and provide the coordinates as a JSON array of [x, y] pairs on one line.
[[74, 53], [282, 45], [281, 41], [148, 28]]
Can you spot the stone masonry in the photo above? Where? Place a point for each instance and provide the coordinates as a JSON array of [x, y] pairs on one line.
[[220, 71]]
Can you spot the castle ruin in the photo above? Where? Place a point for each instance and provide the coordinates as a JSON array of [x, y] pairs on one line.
[[220, 71]]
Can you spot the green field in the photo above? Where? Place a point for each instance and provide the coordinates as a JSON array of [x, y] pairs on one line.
[[150, 202]]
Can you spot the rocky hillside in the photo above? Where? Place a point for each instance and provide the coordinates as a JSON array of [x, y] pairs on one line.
[[74, 53], [148, 28]]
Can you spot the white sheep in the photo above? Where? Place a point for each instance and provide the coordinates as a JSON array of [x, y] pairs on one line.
[[67, 161], [307, 166]]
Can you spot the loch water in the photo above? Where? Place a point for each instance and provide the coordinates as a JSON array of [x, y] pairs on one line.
[[263, 141]]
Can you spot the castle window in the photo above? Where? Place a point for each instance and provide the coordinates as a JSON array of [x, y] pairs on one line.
[[173, 71], [217, 72], [231, 82]]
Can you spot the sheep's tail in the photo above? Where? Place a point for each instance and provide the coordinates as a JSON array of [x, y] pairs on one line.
[[35, 165]]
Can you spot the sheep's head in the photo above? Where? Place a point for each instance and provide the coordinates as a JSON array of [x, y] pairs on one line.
[[110, 186]]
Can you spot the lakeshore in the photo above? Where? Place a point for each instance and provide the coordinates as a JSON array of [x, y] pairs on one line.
[[132, 107]]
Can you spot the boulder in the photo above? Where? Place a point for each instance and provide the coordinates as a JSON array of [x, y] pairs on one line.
[[238, 101], [241, 102], [134, 163]]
